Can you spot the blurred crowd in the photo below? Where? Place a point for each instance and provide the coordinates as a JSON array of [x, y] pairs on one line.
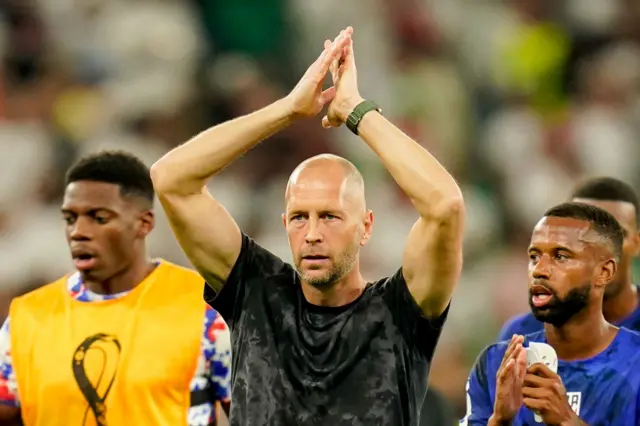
[[520, 99]]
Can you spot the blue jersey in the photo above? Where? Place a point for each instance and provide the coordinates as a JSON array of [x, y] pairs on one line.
[[527, 324], [603, 390]]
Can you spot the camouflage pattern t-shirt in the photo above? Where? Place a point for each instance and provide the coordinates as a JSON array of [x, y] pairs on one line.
[[293, 363]]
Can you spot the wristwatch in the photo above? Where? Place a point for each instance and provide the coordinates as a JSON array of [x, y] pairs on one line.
[[358, 112]]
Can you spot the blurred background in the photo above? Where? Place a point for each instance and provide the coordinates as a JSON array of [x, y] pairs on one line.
[[518, 98]]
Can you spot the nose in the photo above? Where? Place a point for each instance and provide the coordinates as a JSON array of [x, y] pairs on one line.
[[542, 269], [314, 233], [80, 230]]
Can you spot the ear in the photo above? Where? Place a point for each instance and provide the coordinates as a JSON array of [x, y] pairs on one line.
[[368, 228], [147, 223], [284, 221], [606, 272], [636, 245]]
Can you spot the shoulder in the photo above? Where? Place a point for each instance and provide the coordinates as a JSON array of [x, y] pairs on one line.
[[256, 259], [487, 363], [520, 324], [632, 322], [36, 305], [44, 293], [173, 271], [393, 284], [524, 323], [630, 342]]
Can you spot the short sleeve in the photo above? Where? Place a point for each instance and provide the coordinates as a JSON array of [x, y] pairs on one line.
[[8, 383], [479, 403], [420, 331], [255, 264]]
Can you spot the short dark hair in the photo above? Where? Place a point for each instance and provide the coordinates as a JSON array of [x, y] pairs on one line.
[[116, 167], [608, 189], [601, 221]]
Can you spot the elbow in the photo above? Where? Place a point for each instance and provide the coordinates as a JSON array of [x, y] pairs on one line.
[[161, 178], [167, 181], [447, 210]]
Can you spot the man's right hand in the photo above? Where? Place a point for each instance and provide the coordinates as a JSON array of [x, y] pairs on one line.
[[307, 99], [509, 381]]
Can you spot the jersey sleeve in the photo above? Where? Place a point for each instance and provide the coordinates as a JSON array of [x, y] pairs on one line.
[[217, 352], [418, 330], [8, 383], [254, 265], [479, 401]]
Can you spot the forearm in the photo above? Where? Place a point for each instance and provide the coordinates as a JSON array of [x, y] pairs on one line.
[[422, 178], [187, 168]]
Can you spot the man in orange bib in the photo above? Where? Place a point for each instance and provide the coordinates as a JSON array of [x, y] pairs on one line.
[[124, 340]]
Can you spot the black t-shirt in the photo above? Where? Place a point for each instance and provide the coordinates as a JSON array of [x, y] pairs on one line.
[[436, 410], [293, 363]]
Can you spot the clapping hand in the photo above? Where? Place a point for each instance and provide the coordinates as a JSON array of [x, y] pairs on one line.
[[509, 381], [345, 80], [307, 98]]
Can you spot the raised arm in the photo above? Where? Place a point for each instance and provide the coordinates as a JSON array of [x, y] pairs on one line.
[[205, 230], [432, 260]]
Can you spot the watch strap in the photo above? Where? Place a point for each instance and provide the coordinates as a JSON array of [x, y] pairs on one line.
[[353, 120]]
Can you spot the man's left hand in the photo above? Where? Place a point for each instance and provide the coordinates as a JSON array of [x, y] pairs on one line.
[[544, 393]]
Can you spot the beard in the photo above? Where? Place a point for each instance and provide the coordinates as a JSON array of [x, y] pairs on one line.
[[337, 270], [560, 309]]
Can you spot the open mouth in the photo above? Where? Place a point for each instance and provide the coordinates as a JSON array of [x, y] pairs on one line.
[[540, 296], [83, 260]]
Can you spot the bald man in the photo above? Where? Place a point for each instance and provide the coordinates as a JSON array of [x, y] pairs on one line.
[[313, 342]]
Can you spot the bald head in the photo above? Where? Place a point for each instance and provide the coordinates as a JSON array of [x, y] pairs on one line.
[[328, 173]]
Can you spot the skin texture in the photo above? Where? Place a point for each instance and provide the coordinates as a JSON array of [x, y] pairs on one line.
[[564, 254], [326, 217], [101, 222], [620, 297]]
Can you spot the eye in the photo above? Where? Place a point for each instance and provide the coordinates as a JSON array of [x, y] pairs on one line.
[[330, 217], [297, 217], [68, 219], [562, 256], [533, 257], [101, 220]]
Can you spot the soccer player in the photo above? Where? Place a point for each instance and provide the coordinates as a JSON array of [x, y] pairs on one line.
[[620, 304], [124, 340], [573, 257], [314, 343]]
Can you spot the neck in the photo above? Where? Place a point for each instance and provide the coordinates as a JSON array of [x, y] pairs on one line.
[[125, 280], [341, 293], [619, 306], [585, 335]]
